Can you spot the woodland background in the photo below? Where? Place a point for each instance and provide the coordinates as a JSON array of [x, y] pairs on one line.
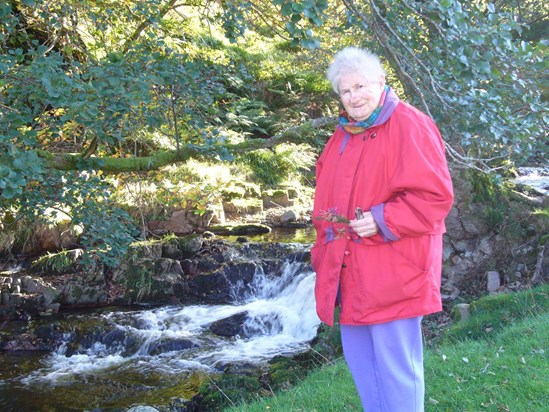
[[116, 113]]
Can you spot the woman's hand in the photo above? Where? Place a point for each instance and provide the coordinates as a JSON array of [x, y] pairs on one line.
[[365, 227]]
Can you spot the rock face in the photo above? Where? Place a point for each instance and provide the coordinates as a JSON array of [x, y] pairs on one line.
[[182, 222], [194, 269], [482, 256], [231, 326]]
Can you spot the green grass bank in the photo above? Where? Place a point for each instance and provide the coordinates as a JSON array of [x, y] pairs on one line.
[[494, 361]]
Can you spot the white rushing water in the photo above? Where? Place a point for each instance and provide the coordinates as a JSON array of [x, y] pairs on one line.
[[535, 177], [281, 319]]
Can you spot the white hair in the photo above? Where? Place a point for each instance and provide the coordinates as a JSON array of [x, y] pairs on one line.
[[353, 60]]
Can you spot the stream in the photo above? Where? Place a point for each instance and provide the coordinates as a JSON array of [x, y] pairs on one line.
[[159, 356]]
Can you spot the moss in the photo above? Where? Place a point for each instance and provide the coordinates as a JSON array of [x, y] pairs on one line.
[[77, 292], [189, 244], [240, 230], [285, 372], [275, 193], [327, 343], [240, 189], [541, 222], [225, 390]]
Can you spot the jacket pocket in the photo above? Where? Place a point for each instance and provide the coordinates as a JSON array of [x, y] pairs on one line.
[[388, 278]]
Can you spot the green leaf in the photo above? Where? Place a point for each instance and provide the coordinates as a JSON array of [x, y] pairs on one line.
[[286, 9]]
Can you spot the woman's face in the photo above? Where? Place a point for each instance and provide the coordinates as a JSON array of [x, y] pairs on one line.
[[360, 95]]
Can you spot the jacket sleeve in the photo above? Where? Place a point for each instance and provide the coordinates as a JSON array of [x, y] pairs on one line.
[[421, 186]]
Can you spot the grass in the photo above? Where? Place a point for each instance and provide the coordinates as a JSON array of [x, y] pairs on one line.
[[329, 388], [508, 372], [495, 361]]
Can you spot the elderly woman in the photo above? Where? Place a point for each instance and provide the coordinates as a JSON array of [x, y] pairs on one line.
[[383, 192]]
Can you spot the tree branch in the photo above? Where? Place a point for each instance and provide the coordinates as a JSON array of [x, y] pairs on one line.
[[72, 161], [144, 24]]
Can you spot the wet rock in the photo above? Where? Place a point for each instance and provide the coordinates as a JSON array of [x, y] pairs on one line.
[[117, 338], [212, 287], [81, 294], [240, 230], [49, 332], [51, 309], [166, 265], [231, 326], [44, 338], [189, 267], [242, 271], [15, 299], [171, 345], [288, 217], [207, 264]]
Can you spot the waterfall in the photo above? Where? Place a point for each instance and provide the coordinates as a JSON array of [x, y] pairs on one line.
[[279, 318], [534, 177]]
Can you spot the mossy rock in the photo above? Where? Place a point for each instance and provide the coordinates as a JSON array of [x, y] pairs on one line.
[[217, 394], [146, 249], [254, 205], [274, 193], [240, 230], [285, 372], [240, 189], [182, 247]]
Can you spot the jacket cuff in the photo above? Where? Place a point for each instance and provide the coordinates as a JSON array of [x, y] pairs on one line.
[[379, 217]]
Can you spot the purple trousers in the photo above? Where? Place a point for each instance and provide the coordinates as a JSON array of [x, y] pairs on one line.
[[386, 362]]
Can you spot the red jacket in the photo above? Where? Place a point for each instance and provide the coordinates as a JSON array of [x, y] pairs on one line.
[[398, 170]]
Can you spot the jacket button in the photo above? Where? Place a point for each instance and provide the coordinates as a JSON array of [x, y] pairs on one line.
[[344, 266], [347, 252]]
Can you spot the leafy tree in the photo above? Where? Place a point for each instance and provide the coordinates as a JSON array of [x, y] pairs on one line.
[[92, 88], [123, 86]]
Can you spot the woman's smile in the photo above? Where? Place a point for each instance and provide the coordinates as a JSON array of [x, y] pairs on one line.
[[359, 95]]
